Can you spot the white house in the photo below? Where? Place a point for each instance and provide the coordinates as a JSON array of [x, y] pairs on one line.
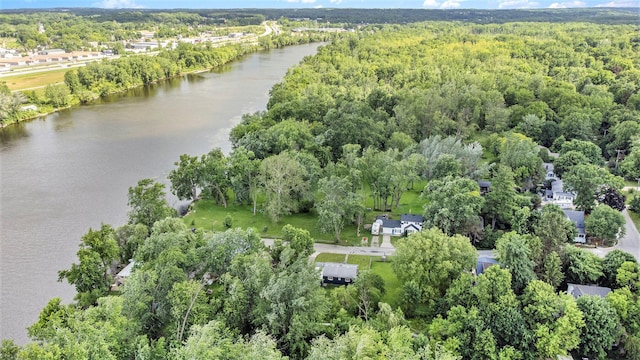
[[407, 224], [548, 169], [577, 217], [557, 195]]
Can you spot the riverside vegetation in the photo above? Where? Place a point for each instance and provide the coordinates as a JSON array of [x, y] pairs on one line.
[[391, 108]]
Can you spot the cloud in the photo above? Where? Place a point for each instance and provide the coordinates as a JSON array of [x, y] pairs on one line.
[[619, 3], [518, 4], [118, 4], [318, 7], [432, 4], [335, 1], [566, 5], [302, 1], [450, 4]]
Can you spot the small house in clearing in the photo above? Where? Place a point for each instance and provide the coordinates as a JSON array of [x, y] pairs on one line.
[[577, 217], [338, 273], [407, 224], [485, 186]]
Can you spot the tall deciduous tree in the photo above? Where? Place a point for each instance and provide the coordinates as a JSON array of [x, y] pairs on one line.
[[453, 205], [589, 181], [514, 254], [554, 318], [500, 204], [283, 181], [601, 328], [605, 224], [433, 260], [213, 176], [184, 179], [337, 205], [148, 204], [244, 175], [520, 153]]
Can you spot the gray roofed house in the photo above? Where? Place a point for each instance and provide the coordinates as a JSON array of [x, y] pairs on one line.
[[577, 291], [485, 186], [338, 273], [407, 224], [577, 217]]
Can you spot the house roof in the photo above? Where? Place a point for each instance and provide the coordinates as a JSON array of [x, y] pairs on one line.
[[548, 166], [127, 270], [339, 270], [391, 223], [484, 183], [483, 263], [581, 290], [411, 218], [557, 186], [577, 217]]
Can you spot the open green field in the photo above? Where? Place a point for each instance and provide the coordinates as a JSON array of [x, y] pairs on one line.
[[28, 81], [207, 215], [391, 283], [393, 289]]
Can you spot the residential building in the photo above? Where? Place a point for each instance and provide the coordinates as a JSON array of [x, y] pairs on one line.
[[337, 273], [577, 217], [577, 291]]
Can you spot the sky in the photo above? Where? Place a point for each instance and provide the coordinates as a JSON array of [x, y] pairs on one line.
[[226, 4]]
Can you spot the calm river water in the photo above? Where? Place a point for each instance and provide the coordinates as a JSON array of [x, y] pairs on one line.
[[70, 171]]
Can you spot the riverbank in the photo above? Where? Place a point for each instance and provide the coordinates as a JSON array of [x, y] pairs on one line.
[[103, 87]]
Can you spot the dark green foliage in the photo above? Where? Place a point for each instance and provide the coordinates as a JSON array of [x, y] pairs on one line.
[[601, 328]]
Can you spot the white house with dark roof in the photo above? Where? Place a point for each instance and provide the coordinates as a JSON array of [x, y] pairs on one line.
[[577, 217], [407, 224], [549, 171]]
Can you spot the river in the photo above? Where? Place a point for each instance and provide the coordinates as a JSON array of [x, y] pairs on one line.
[[67, 172]]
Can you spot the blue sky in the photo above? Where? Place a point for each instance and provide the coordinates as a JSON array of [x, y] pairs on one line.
[[414, 4]]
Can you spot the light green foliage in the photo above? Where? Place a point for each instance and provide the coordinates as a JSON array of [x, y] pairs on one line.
[[590, 150], [501, 203], [581, 266], [601, 328], [554, 230], [147, 203], [215, 341], [453, 205], [551, 271], [612, 262], [244, 176], [605, 224], [189, 306], [433, 260], [589, 181], [338, 204], [514, 254], [628, 274], [299, 240], [555, 319], [91, 277], [520, 153], [568, 160], [467, 156], [283, 183], [292, 307], [630, 166], [213, 176], [184, 179]]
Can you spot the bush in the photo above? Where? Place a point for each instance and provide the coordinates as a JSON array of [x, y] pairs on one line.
[[634, 205], [228, 222]]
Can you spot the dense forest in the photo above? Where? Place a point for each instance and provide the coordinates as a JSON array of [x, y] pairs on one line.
[[442, 104]]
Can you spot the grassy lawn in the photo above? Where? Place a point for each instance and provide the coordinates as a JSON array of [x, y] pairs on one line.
[[391, 282], [27, 81], [363, 261], [636, 219], [206, 214]]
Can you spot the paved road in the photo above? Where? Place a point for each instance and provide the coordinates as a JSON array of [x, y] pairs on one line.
[[629, 243]]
